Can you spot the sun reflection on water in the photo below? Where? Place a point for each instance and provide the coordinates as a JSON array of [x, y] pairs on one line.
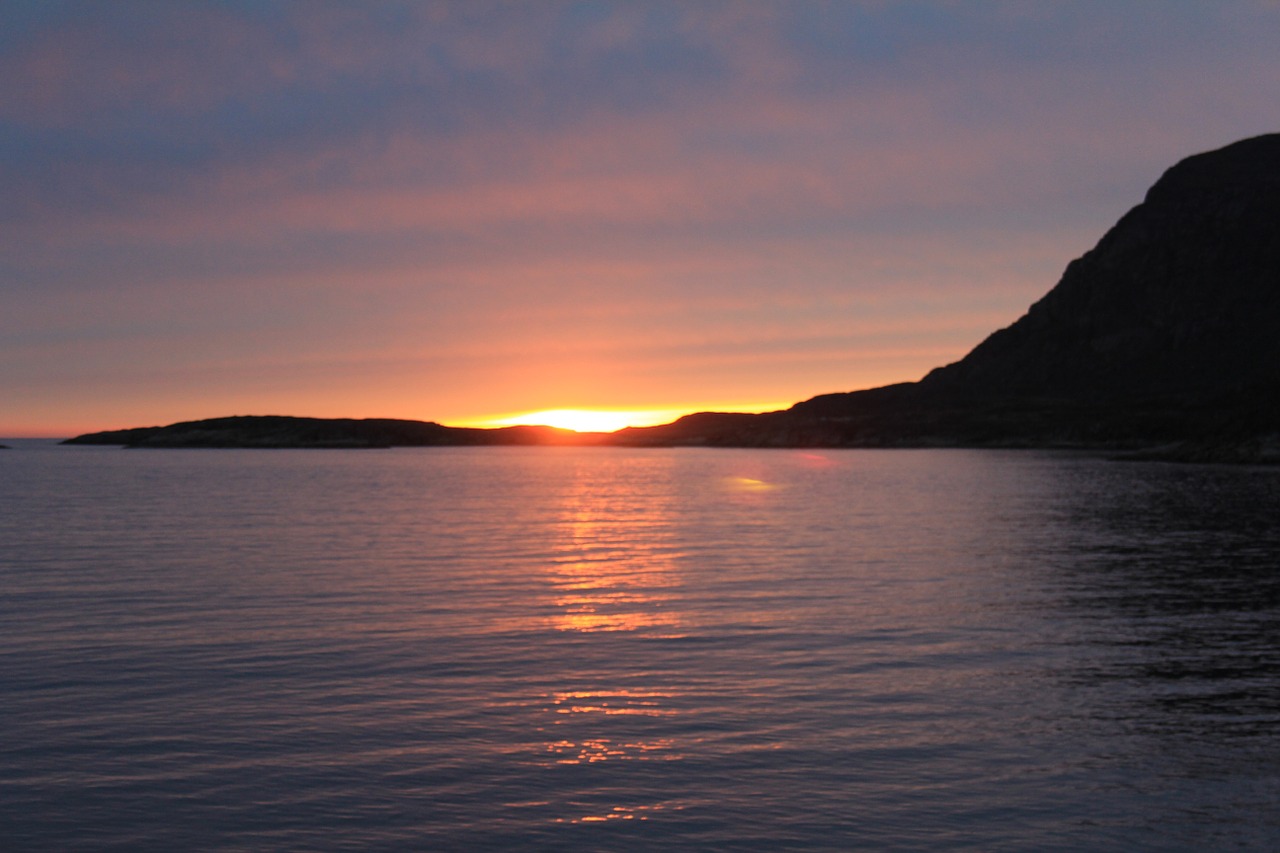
[[619, 813], [615, 576], [595, 750], [616, 566], [636, 703], [749, 484]]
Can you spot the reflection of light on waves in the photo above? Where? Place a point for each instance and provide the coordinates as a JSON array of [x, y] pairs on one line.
[[617, 572], [580, 705], [617, 579], [636, 703], [749, 484], [617, 813], [593, 750]]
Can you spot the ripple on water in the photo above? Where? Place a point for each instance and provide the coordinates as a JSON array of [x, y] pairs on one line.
[[614, 649]]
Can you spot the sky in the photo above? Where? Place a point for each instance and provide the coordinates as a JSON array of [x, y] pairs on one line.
[[465, 211]]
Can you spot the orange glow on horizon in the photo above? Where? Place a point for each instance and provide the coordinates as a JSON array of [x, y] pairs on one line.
[[606, 420], [590, 420]]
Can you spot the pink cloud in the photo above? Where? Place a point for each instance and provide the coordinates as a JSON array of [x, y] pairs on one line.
[[746, 231]]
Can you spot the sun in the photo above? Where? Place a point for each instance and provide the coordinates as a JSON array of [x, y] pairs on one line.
[[590, 420], [607, 420]]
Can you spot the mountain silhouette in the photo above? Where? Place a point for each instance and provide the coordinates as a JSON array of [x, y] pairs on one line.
[[1180, 298], [1166, 334], [1163, 339], [281, 431]]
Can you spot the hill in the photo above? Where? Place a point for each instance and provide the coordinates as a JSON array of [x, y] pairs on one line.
[[278, 431], [1164, 337]]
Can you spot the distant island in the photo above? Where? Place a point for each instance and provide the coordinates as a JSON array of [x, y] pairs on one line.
[[1162, 341], [279, 431]]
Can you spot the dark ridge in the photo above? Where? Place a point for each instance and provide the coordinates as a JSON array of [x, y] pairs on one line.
[[1165, 335], [278, 431], [703, 428], [1179, 301]]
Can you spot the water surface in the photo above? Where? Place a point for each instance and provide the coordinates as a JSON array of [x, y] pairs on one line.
[[563, 648]]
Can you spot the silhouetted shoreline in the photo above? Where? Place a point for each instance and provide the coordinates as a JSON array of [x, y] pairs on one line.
[[1159, 343]]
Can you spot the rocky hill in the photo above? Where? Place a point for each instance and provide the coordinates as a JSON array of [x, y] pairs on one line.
[[1180, 299], [1164, 337]]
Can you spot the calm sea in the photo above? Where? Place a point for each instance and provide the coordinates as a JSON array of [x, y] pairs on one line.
[[607, 649]]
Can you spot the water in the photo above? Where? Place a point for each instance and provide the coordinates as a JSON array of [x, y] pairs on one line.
[[605, 649]]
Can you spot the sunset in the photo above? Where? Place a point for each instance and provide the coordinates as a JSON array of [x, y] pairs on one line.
[[639, 425], [456, 211], [586, 420]]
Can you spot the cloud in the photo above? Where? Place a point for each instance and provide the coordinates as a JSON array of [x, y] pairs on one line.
[[553, 198], [330, 117]]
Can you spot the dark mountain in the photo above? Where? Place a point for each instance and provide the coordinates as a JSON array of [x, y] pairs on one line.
[[1180, 299], [1166, 333]]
